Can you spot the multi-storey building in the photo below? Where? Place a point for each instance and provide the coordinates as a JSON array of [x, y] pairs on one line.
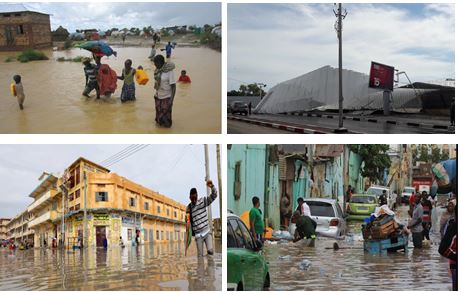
[[116, 207], [3, 228]]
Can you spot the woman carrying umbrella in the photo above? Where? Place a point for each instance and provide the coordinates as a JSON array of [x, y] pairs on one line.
[[165, 86]]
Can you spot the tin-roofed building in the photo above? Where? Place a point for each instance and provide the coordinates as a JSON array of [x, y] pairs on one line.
[[22, 28]]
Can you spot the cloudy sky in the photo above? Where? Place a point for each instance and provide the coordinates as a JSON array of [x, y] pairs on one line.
[[272, 43], [106, 15], [169, 169]]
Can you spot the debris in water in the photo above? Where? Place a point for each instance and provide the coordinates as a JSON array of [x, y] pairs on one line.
[[305, 264]]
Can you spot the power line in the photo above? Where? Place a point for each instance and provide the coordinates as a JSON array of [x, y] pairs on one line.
[[129, 154], [112, 157]]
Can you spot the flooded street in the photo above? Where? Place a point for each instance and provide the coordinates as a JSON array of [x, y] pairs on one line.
[[149, 267], [353, 269], [54, 103]]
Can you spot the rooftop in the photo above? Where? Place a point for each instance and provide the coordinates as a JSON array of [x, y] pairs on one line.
[[18, 7]]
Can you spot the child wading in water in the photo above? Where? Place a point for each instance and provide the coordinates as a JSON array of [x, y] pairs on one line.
[[18, 90], [91, 82], [128, 89]]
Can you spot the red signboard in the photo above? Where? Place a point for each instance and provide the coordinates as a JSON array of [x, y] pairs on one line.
[[381, 76]]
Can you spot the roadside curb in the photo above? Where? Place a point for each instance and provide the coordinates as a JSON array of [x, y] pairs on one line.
[[294, 129], [372, 120]]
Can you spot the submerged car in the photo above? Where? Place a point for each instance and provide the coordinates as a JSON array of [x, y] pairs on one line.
[[406, 194], [329, 217], [361, 206], [239, 107], [247, 268]]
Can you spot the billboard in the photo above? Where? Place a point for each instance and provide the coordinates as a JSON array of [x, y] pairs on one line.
[[381, 76]]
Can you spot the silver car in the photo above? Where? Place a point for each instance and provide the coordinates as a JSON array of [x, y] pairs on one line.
[[329, 217]]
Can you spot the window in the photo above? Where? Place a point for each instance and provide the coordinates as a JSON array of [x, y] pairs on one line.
[[158, 235], [77, 194], [162, 234], [158, 209], [175, 214], [146, 206], [71, 209], [145, 235], [102, 197], [231, 242], [6, 15], [54, 205], [167, 235], [20, 29], [17, 14], [77, 207], [71, 197], [77, 175], [132, 202], [130, 234], [168, 212]]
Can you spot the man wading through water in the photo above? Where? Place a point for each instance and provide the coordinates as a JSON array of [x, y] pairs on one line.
[[197, 211]]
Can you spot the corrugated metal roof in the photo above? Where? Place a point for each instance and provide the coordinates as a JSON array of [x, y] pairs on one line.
[[18, 7]]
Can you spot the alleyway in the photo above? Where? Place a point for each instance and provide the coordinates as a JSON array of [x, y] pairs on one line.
[[352, 268], [149, 267]]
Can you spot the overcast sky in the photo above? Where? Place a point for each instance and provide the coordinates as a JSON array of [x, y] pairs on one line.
[[272, 43], [171, 170], [106, 15]]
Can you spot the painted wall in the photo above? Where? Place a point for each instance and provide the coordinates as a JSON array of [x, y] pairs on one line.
[[252, 171]]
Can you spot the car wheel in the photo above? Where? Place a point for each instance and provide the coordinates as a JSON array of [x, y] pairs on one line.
[[267, 282], [240, 287]]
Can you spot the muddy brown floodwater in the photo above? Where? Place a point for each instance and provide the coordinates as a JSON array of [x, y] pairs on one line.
[[354, 269], [54, 103], [149, 267]]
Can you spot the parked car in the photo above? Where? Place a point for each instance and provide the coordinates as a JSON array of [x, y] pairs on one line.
[[329, 217], [361, 206], [247, 268], [239, 107], [378, 191], [406, 194]]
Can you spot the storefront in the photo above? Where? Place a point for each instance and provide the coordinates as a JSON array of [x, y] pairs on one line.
[[131, 228]]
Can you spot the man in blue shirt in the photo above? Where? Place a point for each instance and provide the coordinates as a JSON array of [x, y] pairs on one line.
[[168, 48]]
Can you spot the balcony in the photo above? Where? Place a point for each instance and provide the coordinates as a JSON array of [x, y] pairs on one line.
[[42, 201], [42, 218]]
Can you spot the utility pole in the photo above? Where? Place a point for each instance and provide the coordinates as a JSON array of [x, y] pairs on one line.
[[218, 159], [207, 177], [85, 218], [261, 85], [339, 28]]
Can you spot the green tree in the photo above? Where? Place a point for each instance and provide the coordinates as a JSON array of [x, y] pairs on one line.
[[375, 159], [435, 154], [423, 151], [445, 155]]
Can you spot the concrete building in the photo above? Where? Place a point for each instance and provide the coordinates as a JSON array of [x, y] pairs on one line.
[[22, 28], [3, 228], [116, 207], [18, 228]]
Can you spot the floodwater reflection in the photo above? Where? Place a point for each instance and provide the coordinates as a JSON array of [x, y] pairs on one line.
[[147, 267]]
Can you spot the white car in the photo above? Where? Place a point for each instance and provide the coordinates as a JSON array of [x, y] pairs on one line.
[[406, 194], [378, 191]]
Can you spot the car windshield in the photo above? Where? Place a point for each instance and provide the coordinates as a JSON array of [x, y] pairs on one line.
[[375, 191], [363, 199], [321, 209], [408, 190]]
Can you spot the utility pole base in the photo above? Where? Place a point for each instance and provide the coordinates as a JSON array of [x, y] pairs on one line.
[[340, 130]]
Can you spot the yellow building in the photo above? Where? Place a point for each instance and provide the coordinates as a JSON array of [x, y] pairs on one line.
[[3, 228], [118, 207]]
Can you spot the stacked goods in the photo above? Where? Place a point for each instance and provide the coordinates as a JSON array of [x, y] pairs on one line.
[[383, 227]]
